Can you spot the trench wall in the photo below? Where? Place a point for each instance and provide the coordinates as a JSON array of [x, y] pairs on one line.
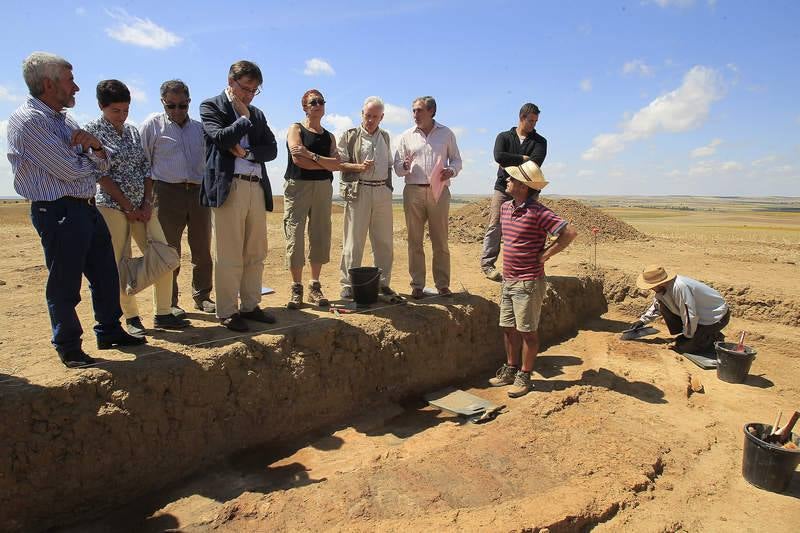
[[108, 435]]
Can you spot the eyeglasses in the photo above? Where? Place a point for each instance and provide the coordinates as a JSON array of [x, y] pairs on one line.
[[315, 102], [173, 106], [254, 92]]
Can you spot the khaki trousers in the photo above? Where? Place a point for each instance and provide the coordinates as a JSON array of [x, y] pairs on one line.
[[370, 212], [118, 228], [307, 201], [178, 209], [240, 247], [420, 207]]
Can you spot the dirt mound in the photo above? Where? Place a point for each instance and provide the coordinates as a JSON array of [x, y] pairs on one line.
[[468, 224]]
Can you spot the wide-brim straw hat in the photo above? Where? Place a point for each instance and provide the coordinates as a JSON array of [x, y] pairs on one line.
[[528, 173], [653, 276]]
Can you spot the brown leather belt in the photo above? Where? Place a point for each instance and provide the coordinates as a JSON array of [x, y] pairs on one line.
[[420, 184], [182, 184], [247, 177], [371, 183]]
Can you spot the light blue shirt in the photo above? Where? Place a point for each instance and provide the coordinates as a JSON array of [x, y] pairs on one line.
[[695, 302], [243, 166], [176, 153]]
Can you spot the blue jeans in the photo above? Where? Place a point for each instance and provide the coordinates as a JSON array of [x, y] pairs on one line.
[[76, 241]]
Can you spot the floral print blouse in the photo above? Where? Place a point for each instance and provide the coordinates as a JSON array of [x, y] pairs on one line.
[[129, 166]]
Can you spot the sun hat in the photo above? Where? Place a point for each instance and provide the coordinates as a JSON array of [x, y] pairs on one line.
[[528, 173], [653, 276]]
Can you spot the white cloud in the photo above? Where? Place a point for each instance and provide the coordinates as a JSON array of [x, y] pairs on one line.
[[137, 94], [683, 109], [459, 131], [707, 150], [338, 124], [586, 85], [714, 168], [583, 173], [7, 95], [637, 66], [318, 67], [140, 32], [764, 160], [394, 114], [484, 130]]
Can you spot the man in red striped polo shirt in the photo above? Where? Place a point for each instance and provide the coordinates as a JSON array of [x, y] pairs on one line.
[[525, 225]]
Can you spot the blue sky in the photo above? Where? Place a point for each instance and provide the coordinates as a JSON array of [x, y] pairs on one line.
[[639, 97]]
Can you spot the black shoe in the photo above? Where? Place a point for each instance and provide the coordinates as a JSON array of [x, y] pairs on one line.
[[177, 312], [234, 323], [135, 327], [170, 321], [76, 358], [120, 339], [258, 315], [206, 306]]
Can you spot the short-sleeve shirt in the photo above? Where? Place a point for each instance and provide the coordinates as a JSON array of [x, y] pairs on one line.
[[525, 229], [129, 165]]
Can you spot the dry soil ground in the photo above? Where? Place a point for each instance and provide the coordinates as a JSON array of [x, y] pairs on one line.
[[610, 438]]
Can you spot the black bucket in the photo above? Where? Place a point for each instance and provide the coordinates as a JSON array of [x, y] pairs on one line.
[[365, 282], [733, 366], [766, 465]]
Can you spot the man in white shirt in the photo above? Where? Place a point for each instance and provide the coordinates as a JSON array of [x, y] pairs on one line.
[[366, 187], [421, 149], [691, 309]]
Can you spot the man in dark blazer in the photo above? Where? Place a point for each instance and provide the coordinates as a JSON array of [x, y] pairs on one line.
[[236, 187]]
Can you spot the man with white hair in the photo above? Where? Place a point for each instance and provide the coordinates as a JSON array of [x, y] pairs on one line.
[[56, 166], [366, 187]]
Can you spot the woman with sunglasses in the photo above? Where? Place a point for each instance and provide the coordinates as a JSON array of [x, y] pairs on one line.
[[125, 199], [308, 192]]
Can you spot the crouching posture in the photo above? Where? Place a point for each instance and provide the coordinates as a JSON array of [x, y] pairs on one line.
[[691, 309]]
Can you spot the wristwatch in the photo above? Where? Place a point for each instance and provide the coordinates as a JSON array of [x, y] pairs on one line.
[[315, 157], [246, 153]]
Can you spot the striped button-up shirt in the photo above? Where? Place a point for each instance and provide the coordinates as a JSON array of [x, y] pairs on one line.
[[46, 167], [176, 153], [426, 151]]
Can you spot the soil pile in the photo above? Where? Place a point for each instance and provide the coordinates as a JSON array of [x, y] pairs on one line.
[[468, 224]]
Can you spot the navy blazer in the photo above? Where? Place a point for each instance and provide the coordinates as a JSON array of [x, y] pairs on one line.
[[222, 131]]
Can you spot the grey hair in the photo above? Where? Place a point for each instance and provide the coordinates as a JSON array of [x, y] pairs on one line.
[[428, 101], [174, 86], [372, 100], [40, 66]]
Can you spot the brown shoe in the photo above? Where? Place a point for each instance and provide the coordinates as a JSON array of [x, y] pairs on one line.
[[315, 295], [505, 376], [446, 292], [418, 294], [296, 298]]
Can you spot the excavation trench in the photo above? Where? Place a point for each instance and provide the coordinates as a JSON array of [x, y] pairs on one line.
[[107, 436]]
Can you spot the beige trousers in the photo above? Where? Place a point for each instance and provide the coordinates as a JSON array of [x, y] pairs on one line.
[[240, 247], [370, 212], [118, 228], [420, 207], [307, 201]]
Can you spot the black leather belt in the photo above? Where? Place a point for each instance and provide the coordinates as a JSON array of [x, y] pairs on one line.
[[247, 177], [420, 184], [86, 201]]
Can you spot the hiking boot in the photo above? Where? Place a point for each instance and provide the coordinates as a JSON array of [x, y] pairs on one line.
[[296, 297], [522, 385], [493, 274], [347, 293], [135, 327], [315, 295], [505, 376]]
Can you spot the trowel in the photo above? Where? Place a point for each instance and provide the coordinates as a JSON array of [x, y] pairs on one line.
[[637, 333]]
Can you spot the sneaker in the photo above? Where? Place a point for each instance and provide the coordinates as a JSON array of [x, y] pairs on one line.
[[170, 321], [177, 312], [206, 306], [296, 299], [492, 274], [315, 295], [135, 327], [522, 385], [347, 293], [505, 376]]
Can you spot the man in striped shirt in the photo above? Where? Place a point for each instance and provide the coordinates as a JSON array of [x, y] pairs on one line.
[[525, 225], [56, 165]]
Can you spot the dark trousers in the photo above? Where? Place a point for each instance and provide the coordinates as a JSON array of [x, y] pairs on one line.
[[76, 242], [704, 337], [178, 208]]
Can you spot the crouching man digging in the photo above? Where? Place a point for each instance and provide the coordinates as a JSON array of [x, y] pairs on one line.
[[691, 309], [525, 225]]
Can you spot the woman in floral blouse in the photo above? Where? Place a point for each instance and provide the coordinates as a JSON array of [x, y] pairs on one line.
[[124, 198]]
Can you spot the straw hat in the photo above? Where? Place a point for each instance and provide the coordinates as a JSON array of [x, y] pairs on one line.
[[653, 276], [528, 173]]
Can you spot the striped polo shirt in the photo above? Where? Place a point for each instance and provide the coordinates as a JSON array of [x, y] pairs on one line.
[[525, 229]]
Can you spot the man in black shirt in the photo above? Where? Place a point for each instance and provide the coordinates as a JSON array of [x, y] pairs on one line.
[[511, 149]]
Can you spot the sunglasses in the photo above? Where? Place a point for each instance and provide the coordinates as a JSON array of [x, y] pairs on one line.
[[315, 102], [179, 106]]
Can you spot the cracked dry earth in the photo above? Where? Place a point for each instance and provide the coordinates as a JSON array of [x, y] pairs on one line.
[[609, 440]]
